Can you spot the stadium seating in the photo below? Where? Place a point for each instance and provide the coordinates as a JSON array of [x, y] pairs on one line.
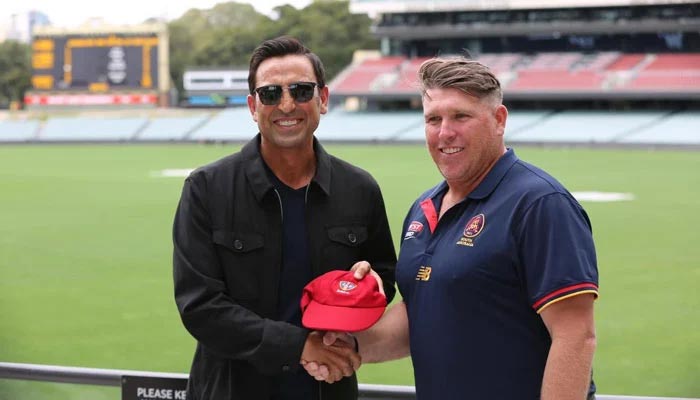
[[341, 125], [18, 131], [668, 72], [557, 72], [536, 127], [679, 129], [520, 121], [546, 72], [517, 122], [596, 61], [556, 80], [586, 126], [553, 61], [234, 124], [407, 76], [370, 75], [500, 63], [674, 62], [91, 129], [171, 128], [626, 62]]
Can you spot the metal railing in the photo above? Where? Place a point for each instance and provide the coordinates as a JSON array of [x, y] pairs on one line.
[[113, 377]]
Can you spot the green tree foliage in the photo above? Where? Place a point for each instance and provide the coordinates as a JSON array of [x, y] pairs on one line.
[[329, 29], [15, 71], [225, 35]]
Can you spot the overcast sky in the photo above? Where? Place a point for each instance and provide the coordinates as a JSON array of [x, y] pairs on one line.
[[68, 13]]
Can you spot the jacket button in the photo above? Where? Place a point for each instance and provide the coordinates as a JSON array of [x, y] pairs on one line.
[[352, 237], [237, 244], [285, 368]]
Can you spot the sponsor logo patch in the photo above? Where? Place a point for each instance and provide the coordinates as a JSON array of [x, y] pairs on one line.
[[473, 229], [414, 228]]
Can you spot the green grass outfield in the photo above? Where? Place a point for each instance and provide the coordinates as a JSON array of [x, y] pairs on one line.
[[85, 259]]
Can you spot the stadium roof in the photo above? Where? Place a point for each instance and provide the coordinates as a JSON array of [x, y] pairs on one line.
[[395, 6]]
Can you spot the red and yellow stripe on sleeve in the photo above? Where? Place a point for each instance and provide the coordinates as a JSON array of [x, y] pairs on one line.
[[565, 293]]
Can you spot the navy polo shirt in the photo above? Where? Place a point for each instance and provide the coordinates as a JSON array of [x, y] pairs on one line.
[[475, 282]]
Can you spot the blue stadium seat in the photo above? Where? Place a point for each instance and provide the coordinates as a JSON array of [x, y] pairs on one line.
[[680, 128], [18, 131], [341, 125], [234, 124], [91, 129], [171, 128], [586, 126]]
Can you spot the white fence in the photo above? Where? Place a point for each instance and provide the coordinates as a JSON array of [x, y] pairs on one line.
[[113, 377]]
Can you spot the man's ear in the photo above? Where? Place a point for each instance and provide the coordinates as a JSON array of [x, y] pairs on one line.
[[252, 106], [324, 94], [501, 115]]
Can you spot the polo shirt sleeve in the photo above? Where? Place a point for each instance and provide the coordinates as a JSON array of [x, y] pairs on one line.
[[556, 251]]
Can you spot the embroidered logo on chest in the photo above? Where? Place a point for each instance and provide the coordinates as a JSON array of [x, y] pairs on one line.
[[472, 230], [414, 229], [424, 273]]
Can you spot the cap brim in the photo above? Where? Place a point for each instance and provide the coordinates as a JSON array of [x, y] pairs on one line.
[[344, 319]]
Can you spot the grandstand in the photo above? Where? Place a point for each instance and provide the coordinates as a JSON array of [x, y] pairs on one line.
[[655, 128], [578, 50], [579, 71], [574, 71]]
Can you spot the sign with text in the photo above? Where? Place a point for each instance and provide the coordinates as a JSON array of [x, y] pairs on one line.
[[146, 388], [95, 62]]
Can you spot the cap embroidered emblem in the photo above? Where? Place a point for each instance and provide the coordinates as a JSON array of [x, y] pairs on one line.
[[346, 286]]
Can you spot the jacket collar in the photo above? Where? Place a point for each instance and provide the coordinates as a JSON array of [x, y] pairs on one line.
[[254, 167]]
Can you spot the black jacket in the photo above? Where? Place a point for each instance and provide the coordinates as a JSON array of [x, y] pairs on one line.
[[227, 259]]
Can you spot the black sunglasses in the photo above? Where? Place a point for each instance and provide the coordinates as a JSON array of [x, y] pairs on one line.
[[301, 92]]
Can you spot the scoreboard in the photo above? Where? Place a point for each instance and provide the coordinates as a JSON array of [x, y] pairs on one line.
[[95, 62]]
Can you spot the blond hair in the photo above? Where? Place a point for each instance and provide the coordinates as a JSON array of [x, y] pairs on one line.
[[471, 77]]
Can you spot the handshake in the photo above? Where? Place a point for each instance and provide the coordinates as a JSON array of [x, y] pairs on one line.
[[335, 304], [331, 356]]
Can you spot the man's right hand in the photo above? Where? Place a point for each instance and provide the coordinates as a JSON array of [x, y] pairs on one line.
[[362, 268], [328, 363]]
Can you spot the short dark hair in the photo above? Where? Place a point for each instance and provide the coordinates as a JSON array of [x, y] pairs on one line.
[[282, 46], [469, 76]]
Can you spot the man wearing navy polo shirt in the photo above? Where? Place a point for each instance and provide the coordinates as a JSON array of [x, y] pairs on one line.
[[497, 266]]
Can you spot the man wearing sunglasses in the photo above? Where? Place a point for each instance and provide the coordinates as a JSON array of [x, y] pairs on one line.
[[253, 228]]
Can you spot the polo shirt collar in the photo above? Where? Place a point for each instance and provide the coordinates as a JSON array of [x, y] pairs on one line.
[[488, 185], [257, 176], [494, 177]]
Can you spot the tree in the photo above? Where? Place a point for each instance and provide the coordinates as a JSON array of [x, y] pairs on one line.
[[222, 36], [15, 71], [225, 35], [329, 29]]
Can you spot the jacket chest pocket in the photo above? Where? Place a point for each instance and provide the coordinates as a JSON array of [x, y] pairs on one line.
[[240, 254], [345, 245]]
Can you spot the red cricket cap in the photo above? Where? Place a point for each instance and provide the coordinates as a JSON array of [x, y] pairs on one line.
[[336, 301]]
